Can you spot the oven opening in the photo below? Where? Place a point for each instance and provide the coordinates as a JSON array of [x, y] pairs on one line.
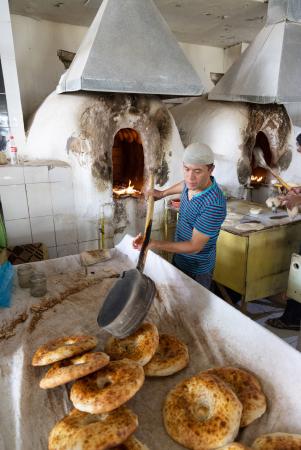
[[128, 163], [260, 176]]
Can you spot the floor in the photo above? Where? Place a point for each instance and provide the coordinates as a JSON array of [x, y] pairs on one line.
[[261, 310]]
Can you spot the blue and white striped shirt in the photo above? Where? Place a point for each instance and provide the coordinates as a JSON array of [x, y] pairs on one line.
[[205, 212]]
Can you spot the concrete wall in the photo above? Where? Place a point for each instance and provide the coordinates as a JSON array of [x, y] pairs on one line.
[[39, 68], [205, 59]]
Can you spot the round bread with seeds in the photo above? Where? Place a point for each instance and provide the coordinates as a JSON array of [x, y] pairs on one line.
[[108, 388], [62, 348], [171, 356], [247, 388], [80, 430], [139, 346], [278, 441], [63, 372], [131, 444], [202, 412]]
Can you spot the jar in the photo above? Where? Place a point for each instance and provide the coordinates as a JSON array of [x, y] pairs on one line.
[[38, 284], [24, 274]]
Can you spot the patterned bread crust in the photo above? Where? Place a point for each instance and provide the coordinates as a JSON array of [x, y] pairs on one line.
[[63, 372], [235, 446], [62, 348], [131, 444], [202, 412], [247, 388], [171, 356], [108, 388], [139, 346], [80, 430], [278, 441]]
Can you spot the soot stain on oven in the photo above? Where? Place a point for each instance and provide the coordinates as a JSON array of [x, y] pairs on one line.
[[274, 122], [99, 124]]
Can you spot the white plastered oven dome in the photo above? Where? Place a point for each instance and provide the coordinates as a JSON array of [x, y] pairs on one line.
[[79, 129], [231, 130]]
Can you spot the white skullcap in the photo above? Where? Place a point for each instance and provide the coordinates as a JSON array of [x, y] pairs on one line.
[[197, 153]]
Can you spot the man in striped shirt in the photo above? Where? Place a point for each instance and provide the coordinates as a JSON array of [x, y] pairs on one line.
[[202, 212]]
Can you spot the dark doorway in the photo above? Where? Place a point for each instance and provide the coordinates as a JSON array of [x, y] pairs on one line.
[[259, 174], [128, 160]]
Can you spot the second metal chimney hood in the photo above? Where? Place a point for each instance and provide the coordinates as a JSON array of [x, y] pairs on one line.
[[269, 71], [129, 48]]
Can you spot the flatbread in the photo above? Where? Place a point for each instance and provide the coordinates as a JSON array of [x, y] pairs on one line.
[[234, 216], [249, 226]]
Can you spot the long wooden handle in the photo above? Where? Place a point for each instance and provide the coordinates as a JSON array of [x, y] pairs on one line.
[[281, 181], [148, 226]]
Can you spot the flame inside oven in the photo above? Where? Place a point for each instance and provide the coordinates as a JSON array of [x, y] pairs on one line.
[[126, 191]]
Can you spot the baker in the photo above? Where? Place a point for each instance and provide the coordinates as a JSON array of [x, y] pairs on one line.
[[202, 212]]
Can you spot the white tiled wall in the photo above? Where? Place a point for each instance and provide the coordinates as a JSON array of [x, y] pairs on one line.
[[38, 206]]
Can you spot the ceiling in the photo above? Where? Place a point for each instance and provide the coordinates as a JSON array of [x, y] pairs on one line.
[[218, 23]]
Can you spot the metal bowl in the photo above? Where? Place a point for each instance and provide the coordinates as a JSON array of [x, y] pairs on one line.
[[125, 307]]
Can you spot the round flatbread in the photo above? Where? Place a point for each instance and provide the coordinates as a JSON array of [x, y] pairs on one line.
[[249, 226], [234, 446], [171, 356], [131, 444], [62, 348], [248, 390], [278, 441], [63, 372], [234, 216], [80, 430], [139, 346], [109, 388], [202, 412]]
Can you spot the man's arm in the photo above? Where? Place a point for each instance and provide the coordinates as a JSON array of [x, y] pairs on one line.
[[195, 245]]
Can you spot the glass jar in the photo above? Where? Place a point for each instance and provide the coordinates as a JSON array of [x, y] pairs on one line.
[[24, 274], [38, 284]]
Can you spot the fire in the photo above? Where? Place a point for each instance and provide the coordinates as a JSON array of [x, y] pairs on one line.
[[129, 190], [255, 179]]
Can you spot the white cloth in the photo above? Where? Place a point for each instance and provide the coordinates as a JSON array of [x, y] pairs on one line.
[[215, 333]]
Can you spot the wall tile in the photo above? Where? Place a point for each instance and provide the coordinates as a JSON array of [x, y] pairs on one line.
[[62, 198], [63, 174], [43, 230], [89, 245], [11, 175], [87, 230], [36, 174], [14, 202], [65, 250], [65, 229], [18, 232], [39, 199]]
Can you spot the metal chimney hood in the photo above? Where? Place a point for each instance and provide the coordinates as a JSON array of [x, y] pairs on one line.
[[129, 48], [269, 71]]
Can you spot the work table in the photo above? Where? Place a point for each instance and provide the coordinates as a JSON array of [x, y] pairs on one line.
[[216, 334], [266, 217]]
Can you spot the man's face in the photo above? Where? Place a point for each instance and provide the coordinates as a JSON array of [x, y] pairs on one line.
[[197, 176]]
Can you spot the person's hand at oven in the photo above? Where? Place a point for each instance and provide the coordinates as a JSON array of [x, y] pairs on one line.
[[154, 192], [137, 242]]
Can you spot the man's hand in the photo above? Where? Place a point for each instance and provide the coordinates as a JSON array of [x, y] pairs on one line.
[[137, 242], [292, 198], [155, 193]]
